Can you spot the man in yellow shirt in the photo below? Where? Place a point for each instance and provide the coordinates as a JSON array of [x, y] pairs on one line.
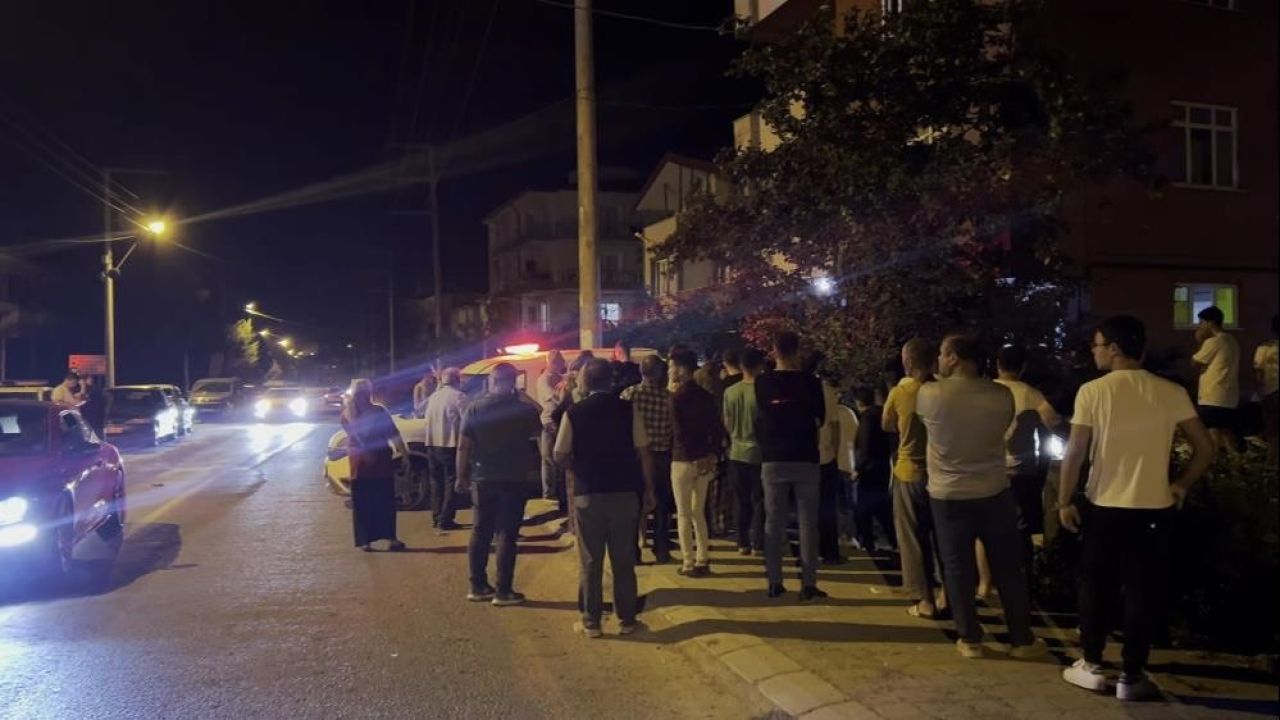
[[911, 514]]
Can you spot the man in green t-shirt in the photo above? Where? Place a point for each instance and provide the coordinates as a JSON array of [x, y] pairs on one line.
[[744, 453]]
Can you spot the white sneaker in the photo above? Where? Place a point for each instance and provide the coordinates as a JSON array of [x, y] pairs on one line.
[[1036, 649], [1137, 688], [971, 650], [1087, 675], [589, 631]]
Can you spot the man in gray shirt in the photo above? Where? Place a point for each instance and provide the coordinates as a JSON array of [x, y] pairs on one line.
[[966, 416]]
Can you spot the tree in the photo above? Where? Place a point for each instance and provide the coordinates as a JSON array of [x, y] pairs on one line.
[[245, 349], [922, 158]]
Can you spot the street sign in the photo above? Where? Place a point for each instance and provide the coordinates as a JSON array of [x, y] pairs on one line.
[[88, 364]]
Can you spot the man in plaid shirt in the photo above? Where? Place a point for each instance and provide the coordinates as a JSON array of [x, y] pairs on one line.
[[653, 403]]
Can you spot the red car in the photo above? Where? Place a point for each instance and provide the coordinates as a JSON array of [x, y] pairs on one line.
[[62, 492]]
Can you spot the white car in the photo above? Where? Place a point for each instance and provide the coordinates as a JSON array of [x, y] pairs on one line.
[[413, 489]]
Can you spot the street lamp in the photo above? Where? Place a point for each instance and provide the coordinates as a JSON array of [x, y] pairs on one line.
[[156, 228]]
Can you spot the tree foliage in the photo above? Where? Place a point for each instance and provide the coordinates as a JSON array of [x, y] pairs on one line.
[[922, 157], [245, 347]]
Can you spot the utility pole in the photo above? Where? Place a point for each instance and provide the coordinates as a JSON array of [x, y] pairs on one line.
[[108, 279], [588, 263], [391, 317], [437, 272]]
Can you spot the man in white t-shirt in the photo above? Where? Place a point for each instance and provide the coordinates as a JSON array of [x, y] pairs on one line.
[[1033, 417], [1218, 361], [1124, 423]]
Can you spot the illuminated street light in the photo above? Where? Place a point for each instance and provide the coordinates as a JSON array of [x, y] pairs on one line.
[[823, 285], [251, 308], [285, 342], [157, 227], [264, 333]]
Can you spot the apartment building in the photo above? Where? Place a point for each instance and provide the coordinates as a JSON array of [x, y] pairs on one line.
[[533, 261], [1204, 73]]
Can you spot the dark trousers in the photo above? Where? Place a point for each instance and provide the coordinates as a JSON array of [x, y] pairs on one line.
[[1028, 496], [750, 493], [499, 508], [871, 503], [664, 505], [1124, 552], [607, 524], [443, 463], [992, 520], [829, 484]]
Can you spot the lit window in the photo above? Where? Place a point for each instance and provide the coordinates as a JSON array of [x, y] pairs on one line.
[[892, 6], [1189, 299], [1208, 147], [611, 312]]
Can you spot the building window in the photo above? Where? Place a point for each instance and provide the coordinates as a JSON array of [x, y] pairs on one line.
[[1190, 298], [720, 273], [891, 6], [611, 312], [538, 315], [1208, 148]]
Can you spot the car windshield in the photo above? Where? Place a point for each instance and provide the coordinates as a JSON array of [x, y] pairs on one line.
[[22, 431], [134, 403], [212, 386]]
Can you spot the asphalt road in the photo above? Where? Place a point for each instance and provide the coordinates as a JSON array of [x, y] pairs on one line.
[[238, 593]]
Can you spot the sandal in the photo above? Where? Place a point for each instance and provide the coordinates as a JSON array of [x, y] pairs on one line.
[[915, 612]]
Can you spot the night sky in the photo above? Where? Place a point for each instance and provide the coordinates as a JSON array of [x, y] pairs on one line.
[[243, 101]]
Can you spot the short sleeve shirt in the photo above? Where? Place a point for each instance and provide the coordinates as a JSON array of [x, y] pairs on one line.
[[1266, 360], [966, 420], [828, 434], [1132, 415], [1020, 440], [912, 438], [1220, 381], [740, 422]]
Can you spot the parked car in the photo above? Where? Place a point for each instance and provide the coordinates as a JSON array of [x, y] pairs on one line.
[[24, 391], [530, 363], [186, 413], [284, 404], [62, 493], [141, 414], [221, 397]]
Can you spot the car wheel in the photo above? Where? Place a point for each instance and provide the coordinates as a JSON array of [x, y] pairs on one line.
[[413, 488]]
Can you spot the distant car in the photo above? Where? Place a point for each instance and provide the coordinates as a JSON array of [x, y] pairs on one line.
[[217, 396], [62, 492], [186, 413], [141, 414], [413, 489], [334, 398], [43, 393], [284, 404]]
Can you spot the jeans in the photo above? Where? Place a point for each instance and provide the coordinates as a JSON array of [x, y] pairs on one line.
[[829, 484], [871, 503], [607, 523], [443, 463], [499, 508], [690, 489], [1124, 551], [750, 492], [664, 504], [917, 546], [779, 479], [993, 520], [551, 473], [1028, 491]]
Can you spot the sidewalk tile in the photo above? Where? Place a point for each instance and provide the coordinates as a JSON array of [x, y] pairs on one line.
[[851, 710], [756, 663], [721, 643], [800, 692]]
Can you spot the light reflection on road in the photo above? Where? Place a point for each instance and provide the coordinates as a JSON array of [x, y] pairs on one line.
[[267, 438]]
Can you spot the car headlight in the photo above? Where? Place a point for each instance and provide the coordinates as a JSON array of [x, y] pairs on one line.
[[262, 407], [13, 510], [1055, 448], [299, 406]]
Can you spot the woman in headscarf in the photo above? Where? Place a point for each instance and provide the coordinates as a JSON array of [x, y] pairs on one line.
[[371, 436]]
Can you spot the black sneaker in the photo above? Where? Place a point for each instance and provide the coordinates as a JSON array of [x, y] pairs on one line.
[[662, 560], [449, 525], [506, 599], [777, 590], [483, 594], [700, 571], [744, 551], [811, 592]]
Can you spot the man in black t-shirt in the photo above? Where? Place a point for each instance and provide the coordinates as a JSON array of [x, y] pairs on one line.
[[791, 409]]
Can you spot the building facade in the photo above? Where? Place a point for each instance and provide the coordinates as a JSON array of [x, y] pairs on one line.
[[1204, 73], [533, 262]]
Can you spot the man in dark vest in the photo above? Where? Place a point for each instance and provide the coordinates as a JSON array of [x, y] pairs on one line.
[[598, 439]]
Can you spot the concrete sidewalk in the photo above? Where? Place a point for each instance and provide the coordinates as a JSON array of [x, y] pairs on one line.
[[859, 655]]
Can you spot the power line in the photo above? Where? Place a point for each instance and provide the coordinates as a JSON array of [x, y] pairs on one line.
[[475, 70], [637, 18]]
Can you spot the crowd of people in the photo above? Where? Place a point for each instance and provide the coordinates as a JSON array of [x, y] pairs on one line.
[[943, 469]]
